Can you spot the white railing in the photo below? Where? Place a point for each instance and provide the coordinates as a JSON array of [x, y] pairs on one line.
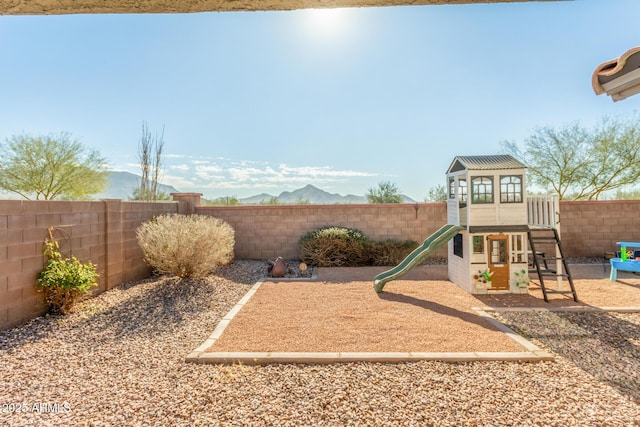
[[543, 211]]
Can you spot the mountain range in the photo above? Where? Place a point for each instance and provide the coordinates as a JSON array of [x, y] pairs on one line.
[[309, 194], [312, 195], [122, 184]]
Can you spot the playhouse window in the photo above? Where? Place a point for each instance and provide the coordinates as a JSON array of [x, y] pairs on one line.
[[517, 249], [452, 188], [457, 245], [498, 251], [511, 189], [462, 190], [481, 189], [478, 244]]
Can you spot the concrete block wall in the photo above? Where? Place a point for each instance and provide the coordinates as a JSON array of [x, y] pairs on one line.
[[102, 232], [589, 228], [266, 232], [593, 228]]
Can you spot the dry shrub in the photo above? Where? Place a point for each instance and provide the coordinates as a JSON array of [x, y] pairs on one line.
[[186, 245], [333, 253], [391, 251], [333, 246]]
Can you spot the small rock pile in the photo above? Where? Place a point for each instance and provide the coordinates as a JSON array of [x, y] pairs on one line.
[[281, 268]]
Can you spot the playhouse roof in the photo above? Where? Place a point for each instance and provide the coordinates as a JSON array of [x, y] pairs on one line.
[[498, 161]]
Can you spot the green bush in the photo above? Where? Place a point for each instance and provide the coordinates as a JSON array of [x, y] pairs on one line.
[[186, 245], [334, 232], [333, 246], [64, 280]]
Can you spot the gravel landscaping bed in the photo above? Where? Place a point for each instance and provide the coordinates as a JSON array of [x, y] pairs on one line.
[[119, 361], [607, 345]]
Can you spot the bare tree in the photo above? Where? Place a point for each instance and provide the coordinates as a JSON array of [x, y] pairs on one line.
[[150, 158]]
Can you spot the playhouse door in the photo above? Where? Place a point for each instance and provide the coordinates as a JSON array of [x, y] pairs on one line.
[[499, 261]]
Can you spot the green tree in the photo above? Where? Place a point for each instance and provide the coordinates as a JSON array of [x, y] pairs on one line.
[[50, 167], [386, 192], [630, 194], [224, 201], [582, 164], [149, 195], [437, 194], [273, 201]]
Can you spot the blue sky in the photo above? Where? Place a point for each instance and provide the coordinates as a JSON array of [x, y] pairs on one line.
[[258, 102]]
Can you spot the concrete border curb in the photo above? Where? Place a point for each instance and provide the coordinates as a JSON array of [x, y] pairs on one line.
[[256, 358], [312, 278], [222, 325], [629, 309]]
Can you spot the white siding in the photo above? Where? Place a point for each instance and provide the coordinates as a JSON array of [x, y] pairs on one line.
[[516, 267], [497, 213], [458, 268], [452, 212]]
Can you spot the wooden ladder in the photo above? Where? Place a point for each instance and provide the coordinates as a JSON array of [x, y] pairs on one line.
[[541, 261]]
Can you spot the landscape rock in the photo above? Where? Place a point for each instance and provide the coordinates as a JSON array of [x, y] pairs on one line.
[[279, 268]]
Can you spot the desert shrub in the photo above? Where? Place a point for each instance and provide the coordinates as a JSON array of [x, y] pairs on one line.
[[333, 246], [334, 232], [64, 280], [186, 245], [391, 251]]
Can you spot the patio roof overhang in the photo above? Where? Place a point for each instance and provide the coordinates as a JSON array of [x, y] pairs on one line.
[[60, 7]]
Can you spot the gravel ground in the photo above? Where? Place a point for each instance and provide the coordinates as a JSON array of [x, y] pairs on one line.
[[118, 360], [607, 345]]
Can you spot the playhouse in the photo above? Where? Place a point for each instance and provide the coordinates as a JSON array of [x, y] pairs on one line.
[[486, 196], [504, 233], [496, 234]]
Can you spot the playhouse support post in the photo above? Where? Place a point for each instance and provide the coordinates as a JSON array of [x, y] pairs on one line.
[[556, 210]]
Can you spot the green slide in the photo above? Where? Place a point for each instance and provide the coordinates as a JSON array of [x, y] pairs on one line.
[[433, 242]]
